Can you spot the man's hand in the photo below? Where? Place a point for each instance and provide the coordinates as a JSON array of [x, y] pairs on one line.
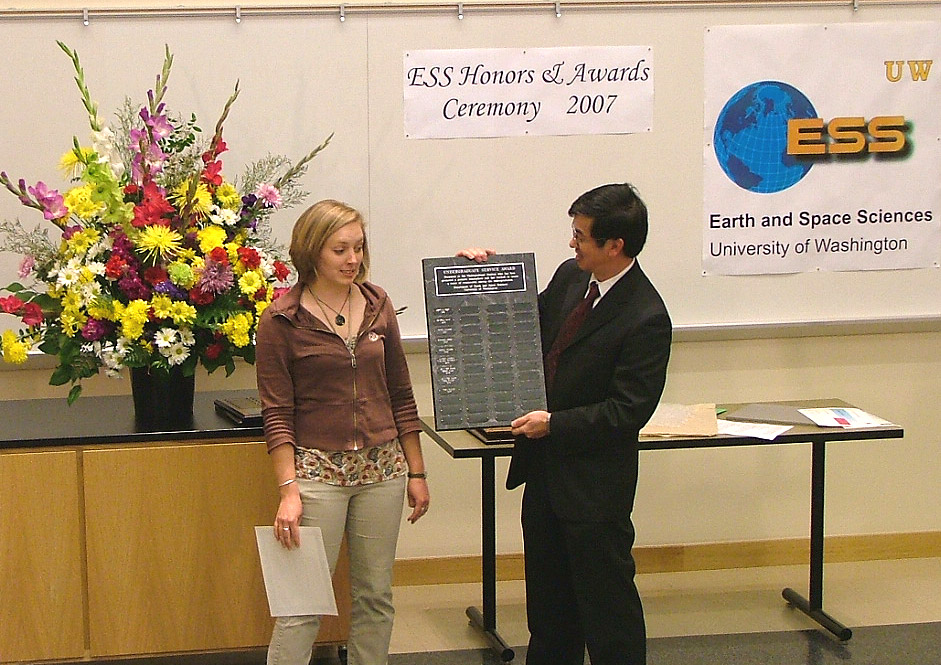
[[534, 425], [478, 254]]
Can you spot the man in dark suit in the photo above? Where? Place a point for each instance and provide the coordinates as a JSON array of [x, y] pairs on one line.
[[604, 378]]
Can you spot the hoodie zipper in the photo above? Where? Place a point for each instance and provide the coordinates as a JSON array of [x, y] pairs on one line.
[[352, 351]]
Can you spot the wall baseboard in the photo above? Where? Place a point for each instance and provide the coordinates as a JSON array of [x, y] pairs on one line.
[[702, 556]]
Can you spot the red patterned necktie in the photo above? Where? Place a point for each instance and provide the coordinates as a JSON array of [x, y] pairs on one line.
[[567, 333]]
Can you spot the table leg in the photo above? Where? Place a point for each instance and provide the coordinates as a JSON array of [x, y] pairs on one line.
[[814, 607], [487, 620]]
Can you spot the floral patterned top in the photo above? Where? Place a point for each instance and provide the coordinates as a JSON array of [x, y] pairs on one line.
[[348, 468]]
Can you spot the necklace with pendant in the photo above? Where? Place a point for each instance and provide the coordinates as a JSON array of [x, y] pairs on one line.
[[339, 319]]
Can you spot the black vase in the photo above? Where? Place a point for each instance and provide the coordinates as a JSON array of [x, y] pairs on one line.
[[162, 401]]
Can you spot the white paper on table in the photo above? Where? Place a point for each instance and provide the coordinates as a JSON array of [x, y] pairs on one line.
[[297, 581], [843, 417], [757, 430]]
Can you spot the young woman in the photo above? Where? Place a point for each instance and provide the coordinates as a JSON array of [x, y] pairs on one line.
[[341, 425]]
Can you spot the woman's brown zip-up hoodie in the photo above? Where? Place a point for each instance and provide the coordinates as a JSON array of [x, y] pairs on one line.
[[316, 394]]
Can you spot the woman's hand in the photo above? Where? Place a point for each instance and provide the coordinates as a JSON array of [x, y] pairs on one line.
[[418, 498], [479, 254], [288, 519]]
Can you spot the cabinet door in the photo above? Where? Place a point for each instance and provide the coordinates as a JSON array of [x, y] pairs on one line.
[[40, 557], [172, 559]]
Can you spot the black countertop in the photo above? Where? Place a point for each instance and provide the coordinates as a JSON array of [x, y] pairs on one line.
[[35, 423]]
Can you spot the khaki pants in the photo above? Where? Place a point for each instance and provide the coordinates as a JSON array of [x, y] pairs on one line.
[[370, 516]]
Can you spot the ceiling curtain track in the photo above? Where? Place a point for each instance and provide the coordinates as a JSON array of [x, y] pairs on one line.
[[341, 11]]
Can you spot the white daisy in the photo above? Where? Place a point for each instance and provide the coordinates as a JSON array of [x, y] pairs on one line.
[[165, 338]]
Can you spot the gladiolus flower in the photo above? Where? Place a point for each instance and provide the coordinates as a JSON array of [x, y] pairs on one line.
[[50, 200]]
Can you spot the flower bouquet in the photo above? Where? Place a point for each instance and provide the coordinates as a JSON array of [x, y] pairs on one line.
[[159, 261]]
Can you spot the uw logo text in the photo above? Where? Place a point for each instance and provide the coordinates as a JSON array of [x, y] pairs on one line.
[[918, 69]]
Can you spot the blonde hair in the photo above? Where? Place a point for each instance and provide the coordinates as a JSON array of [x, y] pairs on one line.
[[314, 227]]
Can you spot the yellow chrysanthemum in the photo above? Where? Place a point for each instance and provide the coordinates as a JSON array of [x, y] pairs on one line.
[[102, 308], [14, 351], [72, 321], [162, 305], [182, 313], [210, 237], [79, 202], [250, 282], [159, 241], [188, 255], [133, 317], [237, 327], [261, 306], [201, 203], [232, 249], [228, 196], [70, 164]]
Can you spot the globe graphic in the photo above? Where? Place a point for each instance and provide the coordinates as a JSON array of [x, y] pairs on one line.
[[750, 137]]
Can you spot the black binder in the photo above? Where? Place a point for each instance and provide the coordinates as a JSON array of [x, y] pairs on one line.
[[244, 411]]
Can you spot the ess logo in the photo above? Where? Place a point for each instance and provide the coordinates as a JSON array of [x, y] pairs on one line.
[[768, 135]]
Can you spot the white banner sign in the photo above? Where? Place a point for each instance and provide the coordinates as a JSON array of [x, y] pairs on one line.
[[822, 148], [516, 92]]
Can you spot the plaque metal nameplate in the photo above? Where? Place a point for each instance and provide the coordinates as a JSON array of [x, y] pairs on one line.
[[483, 339]]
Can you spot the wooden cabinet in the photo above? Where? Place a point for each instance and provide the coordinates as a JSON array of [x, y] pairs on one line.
[[40, 557], [172, 559], [110, 551]]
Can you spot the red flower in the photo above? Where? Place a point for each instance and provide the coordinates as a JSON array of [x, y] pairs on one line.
[[278, 292], [249, 257], [281, 271], [32, 314], [114, 268], [200, 297], [212, 174], [152, 208], [214, 350], [155, 275], [11, 305], [219, 255]]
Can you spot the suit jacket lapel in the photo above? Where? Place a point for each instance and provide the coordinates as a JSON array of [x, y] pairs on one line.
[[610, 305]]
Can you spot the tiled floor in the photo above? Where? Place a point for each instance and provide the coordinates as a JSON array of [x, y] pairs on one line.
[[431, 619]]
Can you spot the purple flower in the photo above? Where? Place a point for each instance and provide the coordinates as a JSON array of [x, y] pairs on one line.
[[168, 288], [70, 231], [50, 200], [215, 278], [133, 287], [95, 329], [159, 125]]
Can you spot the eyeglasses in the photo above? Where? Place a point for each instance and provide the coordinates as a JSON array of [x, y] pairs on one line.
[[579, 237]]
